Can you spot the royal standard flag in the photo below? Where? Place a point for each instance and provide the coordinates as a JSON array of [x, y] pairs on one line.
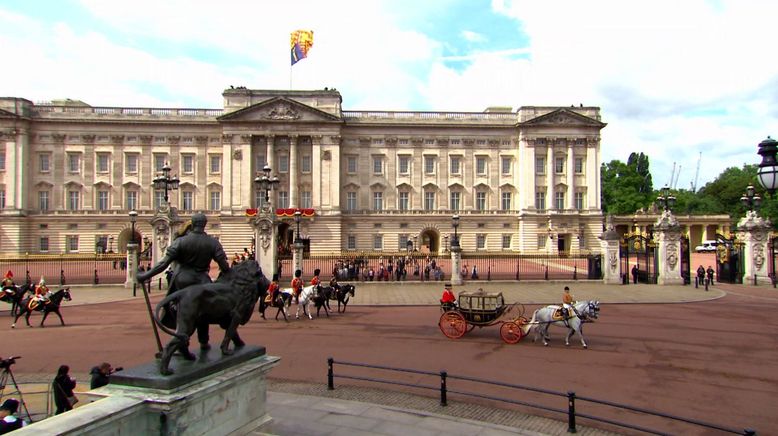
[[302, 41]]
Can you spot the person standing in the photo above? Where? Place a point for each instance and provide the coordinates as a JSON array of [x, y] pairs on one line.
[[193, 252], [635, 271], [63, 386], [710, 275], [700, 277], [8, 420]]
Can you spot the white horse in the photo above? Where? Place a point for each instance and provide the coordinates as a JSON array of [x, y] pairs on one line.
[[582, 312], [308, 296]]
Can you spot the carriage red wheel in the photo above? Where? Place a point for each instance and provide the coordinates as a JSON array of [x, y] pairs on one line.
[[453, 325], [510, 332]]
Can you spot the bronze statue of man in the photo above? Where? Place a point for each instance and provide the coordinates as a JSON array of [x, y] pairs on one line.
[[192, 252]]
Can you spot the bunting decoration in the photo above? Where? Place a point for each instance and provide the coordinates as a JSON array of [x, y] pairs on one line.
[[302, 41]]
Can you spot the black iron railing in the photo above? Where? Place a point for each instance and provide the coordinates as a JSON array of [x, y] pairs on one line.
[[571, 397]]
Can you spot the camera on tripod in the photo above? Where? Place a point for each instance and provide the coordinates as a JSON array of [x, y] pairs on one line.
[[6, 363]]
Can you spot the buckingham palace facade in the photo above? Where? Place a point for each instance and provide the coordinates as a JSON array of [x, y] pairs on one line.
[[525, 181]]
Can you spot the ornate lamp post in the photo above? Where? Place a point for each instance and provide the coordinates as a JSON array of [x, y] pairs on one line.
[[298, 244], [455, 239], [110, 244], [166, 183], [132, 257], [166, 218], [297, 215], [264, 224], [456, 253], [750, 199], [768, 168], [666, 200]]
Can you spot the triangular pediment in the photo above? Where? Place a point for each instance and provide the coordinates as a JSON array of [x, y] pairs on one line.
[[563, 117], [279, 109]]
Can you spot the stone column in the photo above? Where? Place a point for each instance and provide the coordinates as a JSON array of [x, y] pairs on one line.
[[610, 255], [267, 244], [456, 265], [754, 232], [293, 192], [570, 197], [668, 236], [297, 256], [132, 264]]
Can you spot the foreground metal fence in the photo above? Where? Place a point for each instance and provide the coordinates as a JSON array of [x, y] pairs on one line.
[[414, 266], [570, 397], [66, 269]]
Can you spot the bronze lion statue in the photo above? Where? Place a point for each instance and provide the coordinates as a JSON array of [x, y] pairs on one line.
[[228, 302]]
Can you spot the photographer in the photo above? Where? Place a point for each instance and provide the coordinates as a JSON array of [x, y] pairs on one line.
[[101, 375], [63, 386]]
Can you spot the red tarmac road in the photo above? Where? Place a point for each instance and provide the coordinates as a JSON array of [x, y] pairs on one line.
[[713, 361]]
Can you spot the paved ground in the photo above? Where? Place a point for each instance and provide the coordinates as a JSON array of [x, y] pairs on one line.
[[662, 356]]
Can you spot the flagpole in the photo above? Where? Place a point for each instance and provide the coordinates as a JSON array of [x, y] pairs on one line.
[[290, 77]]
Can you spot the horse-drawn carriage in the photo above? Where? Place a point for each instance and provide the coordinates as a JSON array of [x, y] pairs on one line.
[[483, 309]]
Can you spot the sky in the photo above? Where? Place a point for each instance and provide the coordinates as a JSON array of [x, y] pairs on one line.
[[689, 83]]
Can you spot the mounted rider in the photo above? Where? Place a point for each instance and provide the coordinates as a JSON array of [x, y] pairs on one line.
[[316, 281], [41, 293], [192, 251], [8, 285], [567, 303], [273, 291], [297, 285]]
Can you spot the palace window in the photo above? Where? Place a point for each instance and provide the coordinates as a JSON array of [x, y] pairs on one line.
[[351, 164], [159, 198], [505, 165], [131, 163], [351, 242], [305, 164], [579, 200], [506, 242], [403, 200], [102, 200], [559, 166], [429, 200], [74, 198], [215, 201], [283, 199], [480, 200], [72, 243], [44, 162], [259, 162], [455, 167], [579, 163], [540, 200], [480, 241], [103, 162], [305, 200], [505, 201], [187, 201], [351, 201], [542, 241], [159, 162], [378, 200], [480, 165], [215, 164], [43, 201], [455, 198], [540, 165], [187, 164], [429, 164], [378, 242], [2, 160], [378, 165], [403, 164], [2, 198], [132, 200], [283, 164], [74, 162], [559, 200], [43, 244]]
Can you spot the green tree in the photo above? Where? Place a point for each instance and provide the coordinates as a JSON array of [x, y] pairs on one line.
[[722, 195], [626, 187]]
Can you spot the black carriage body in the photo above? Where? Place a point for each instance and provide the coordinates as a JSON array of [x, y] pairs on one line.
[[481, 308]]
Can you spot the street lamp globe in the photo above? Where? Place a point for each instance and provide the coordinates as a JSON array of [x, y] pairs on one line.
[[768, 168]]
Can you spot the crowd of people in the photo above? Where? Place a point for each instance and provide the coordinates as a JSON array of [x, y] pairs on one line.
[[392, 268]]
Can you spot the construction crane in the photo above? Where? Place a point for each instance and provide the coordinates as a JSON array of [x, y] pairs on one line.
[[696, 174], [674, 176]]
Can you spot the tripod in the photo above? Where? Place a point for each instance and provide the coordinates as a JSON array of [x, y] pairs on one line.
[[4, 376]]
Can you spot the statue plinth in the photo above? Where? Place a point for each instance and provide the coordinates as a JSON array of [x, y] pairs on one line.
[[186, 371]]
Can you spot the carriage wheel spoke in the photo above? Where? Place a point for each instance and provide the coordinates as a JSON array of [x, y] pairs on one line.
[[453, 325], [511, 332]]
